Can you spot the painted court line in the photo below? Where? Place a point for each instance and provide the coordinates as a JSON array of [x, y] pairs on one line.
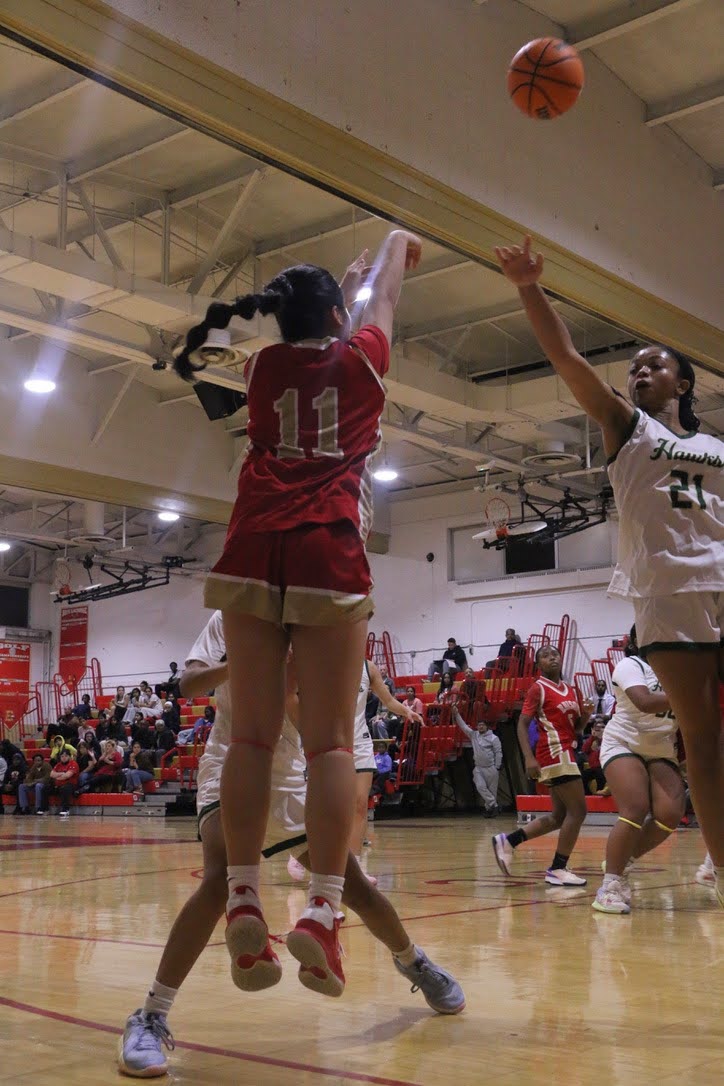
[[78, 938], [212, 1050], [92, 878]]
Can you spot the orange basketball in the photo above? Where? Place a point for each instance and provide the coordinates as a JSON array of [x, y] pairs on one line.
[[545, 78]]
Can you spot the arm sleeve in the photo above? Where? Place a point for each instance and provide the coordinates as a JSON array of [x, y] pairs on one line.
[[372, 343]]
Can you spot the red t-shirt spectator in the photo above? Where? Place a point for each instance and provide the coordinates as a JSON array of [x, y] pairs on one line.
[[591, 753], [71, 767], [110, 767]]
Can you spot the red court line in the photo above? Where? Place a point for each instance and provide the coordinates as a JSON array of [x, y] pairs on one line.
[[93, 878], [212, 1050], [79, 938]]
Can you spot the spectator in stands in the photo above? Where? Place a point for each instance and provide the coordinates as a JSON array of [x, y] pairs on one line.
[[134, 699], [72, 728], [385, 676], [110, 729], [86, 758], [8, 751], [188, 735], [165, 740], [14, 775], [83, 708], [3, 771], [140, 769], [413, 702], [453, 659], [149, 703], [64, 778], [172, 713], [144, 732], [446, 693], [384, 766], [511, 640], [37, 782], [120, 703], [589, 760], [90, 739], [107, 769], [469, 687], [163, 690], [57, 747], [604, 702], [52, 730], [488, 758]]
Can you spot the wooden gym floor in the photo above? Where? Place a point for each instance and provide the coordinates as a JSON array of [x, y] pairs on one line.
[[555, 993]]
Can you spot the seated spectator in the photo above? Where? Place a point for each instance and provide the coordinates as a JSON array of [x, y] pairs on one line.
[[120, 703], [106, 770], [83, 708], [507, 648], [487, 758], [385, 676], [134, 699], [36, 783], [140, 769], [58, 745], [63, 779], [90, 739], [172, 713], [8, 751], [14, 775], [110, 729], [453, 659], [446, 693], [603, 701], [469, 687], [145, 702], [165, 740], [188, 735], [53, 729], [384, 766], [163, 690], [86, 758], [144, 732], [71, 728], [589, 760], [412, 701]]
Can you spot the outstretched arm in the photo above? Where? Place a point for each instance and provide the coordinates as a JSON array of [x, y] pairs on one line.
[[461, 723], [390, 703], [613, 414], [400, 252]]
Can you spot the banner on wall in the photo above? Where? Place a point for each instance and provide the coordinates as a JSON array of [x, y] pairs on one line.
[[73, 649], [14, 679]]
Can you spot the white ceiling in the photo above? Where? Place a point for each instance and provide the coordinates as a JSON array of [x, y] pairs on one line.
[[136, 222]]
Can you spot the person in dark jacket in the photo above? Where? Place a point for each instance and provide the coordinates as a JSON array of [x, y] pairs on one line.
[[453, 659], [83, 708], [165, 740], [14, 775]]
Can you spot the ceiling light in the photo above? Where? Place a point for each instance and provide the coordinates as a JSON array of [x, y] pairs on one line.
[[364, 294], [384, 475], [168, 517], [4, 546], [40, 385]]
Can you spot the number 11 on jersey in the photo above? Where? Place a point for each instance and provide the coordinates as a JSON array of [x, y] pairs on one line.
[[327, 407]]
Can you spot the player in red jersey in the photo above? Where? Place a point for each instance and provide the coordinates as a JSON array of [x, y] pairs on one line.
[[294, 570], [555, 706]]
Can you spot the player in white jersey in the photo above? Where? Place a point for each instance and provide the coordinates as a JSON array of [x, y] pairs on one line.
[[638, 756], [668, 480], [146, 1033]]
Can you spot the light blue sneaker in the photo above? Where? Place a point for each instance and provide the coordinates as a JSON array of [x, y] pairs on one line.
[[441, 991], [139, 1052]]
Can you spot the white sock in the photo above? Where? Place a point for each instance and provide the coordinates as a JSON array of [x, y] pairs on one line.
[[243, 876], [329, 887], [608, 879], [159, 999], [407, 957]]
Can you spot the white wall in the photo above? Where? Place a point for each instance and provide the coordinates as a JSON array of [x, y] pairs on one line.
[[633, 200]]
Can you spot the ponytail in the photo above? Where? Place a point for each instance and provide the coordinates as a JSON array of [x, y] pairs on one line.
[[300, 298], [218, 315], [632, 647], [687, 416]]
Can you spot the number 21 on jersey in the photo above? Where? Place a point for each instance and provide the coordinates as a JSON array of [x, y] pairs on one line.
[[327, 408]]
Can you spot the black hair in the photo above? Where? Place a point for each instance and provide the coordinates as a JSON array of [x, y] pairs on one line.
[[300, 298], [632, 647], [447, 674], [687, 416]]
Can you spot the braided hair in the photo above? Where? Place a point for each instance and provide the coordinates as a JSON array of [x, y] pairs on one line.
[[687, 416], [632, 647], [300, 298]]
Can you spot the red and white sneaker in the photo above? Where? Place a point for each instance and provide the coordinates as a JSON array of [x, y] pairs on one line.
[[254, 965], [315, 944]]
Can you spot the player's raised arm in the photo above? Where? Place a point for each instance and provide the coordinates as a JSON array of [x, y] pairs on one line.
[[400, 252], [524, 268]]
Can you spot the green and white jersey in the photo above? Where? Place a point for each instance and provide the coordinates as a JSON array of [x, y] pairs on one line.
[[669, 490]]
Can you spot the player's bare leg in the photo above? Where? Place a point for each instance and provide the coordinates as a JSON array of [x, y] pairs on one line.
[[326, 725], [691, 681], [257, 652], [359, 829], [568, 814]]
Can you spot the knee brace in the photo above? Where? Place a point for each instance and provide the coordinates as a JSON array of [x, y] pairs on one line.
[[628, 822], [666, 829], [328, 750]]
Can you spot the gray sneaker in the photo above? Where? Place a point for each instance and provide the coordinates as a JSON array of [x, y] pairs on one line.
[[139, 1052], [440, 989]]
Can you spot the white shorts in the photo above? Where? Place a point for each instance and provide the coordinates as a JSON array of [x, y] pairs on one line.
[[686, 620], [648, 748], [285, 828], [364, 751]]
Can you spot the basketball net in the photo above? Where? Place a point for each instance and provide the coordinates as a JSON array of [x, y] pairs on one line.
[[497, 512]]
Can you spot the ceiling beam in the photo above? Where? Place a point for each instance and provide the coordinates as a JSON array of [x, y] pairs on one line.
[[622, 20], [414, 332], [345, 223], [98, 229], [39, 96], [217, 246], [673, 109]]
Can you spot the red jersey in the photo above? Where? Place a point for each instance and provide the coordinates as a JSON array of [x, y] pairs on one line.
[[555, 707], [314, 426]]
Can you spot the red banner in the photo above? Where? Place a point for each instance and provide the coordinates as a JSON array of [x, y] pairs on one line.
[[14, 679], [73, 650]]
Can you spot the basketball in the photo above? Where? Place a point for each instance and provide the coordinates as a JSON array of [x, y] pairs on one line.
[[545, 78], [64, 590]]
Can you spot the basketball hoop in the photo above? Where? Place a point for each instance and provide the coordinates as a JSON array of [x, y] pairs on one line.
[[497, 512]]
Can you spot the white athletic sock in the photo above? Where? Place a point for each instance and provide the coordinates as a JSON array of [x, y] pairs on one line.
[[407, 957], [608, 879], [159, 999], [243, 876], [329, 887]]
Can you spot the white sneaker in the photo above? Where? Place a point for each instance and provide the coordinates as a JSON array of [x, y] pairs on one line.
[[503, 852], [705, 873], [296, 871], [64, 814], [610, 898], [626, 892], [561, 876]]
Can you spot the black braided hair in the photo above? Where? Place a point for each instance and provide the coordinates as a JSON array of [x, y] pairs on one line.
[[687, 416], [632, 648], [299, 297]]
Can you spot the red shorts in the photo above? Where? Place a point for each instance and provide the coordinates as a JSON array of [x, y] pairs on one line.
[[313, 575]]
